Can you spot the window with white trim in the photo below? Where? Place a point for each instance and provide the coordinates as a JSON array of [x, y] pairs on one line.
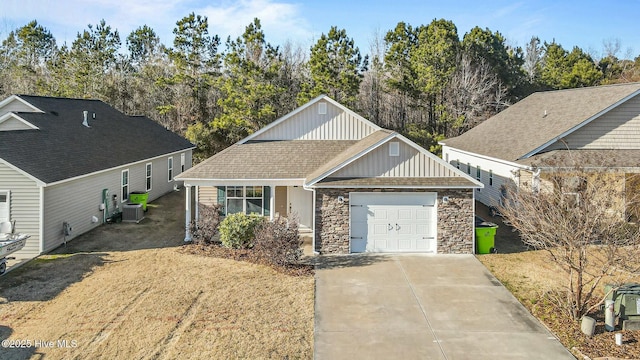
[[148, 176], [246, 199], [458, 164], [124, 194], [235, 199], [490, 177], [394, 148], [253, 200], [478, 175], [5, 205], [469, 168], [182, 162], [170, 168]]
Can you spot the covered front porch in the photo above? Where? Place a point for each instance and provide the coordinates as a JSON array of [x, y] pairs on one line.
[[269, 199]]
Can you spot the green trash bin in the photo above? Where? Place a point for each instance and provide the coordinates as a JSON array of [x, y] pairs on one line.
[[485, 236], [139, 197]]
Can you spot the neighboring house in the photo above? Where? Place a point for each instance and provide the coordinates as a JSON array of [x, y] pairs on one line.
[[58, 156], [594, 127], [356, 186]]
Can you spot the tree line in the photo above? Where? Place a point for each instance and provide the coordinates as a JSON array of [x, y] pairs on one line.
[[422, 81]]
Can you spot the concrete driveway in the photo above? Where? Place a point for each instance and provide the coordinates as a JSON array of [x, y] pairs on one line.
[[422, 307]]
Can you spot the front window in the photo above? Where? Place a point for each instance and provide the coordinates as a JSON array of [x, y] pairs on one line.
[[246, 199], [125, 186], [182, 162], [490, 177], [235, 199], [254, 200], [170, 168]]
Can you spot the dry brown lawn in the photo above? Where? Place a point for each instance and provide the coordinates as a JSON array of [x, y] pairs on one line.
[[529, 276], [126, 291]]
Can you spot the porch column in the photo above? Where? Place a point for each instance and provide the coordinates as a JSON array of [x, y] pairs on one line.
[[272, 202], [197, 204], [187, 222]]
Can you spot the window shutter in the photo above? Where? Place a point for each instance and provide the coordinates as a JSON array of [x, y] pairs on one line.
[[222, 199], [266, 200]]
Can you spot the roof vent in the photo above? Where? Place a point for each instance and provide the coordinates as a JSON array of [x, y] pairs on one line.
[[86, 118]]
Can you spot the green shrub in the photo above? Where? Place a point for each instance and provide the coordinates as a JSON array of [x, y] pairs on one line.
[[237, 230], [278, 242]]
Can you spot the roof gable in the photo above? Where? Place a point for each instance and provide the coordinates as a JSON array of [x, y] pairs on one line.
[[371, 158], [15, 103], [11, 122], [320, 119], [540, 119]]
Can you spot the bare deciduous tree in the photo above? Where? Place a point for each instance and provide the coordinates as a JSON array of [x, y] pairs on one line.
[[578, 218]]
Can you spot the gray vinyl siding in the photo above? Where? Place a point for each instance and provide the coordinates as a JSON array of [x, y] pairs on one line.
[[25, 207], [617, 129], [409, 163], [336, 124], [78, 201]]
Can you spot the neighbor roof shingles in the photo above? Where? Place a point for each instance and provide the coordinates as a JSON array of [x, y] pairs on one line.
[[63, 148], [538, 119]]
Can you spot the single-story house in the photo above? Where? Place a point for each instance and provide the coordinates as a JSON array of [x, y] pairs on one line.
[[65, 161], [356, 186], [594, 127]]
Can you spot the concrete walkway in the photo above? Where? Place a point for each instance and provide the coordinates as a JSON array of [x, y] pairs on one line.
[[421, 307]]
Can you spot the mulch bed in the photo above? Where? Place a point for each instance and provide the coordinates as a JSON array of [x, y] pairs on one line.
[[601, 346], [247, 255]]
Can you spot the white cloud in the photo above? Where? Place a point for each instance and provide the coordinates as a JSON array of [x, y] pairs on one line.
[[280, 21]]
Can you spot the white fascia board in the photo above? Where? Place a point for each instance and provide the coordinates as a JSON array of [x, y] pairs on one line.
[[394, 187], [580, 125], [485, 157], [351, 160], [440, 160], [118, 167], [13, 115], [11, 98], [22, 172], [240, 182], [302, 108]]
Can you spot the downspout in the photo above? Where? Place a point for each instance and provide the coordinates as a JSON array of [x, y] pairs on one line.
[[535, 180], [187, 222]]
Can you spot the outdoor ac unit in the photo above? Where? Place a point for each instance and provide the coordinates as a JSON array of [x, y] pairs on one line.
[[132, 213]]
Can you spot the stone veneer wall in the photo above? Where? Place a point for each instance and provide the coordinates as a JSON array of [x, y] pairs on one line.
[[455, 219]]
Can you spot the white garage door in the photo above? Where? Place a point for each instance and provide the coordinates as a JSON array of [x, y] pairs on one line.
[[393, 222]]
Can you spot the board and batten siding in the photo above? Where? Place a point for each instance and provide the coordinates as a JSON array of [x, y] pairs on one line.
[[617, 129], [503, 174], [25, 207], [409, 163], [78, 201], [336, 124]]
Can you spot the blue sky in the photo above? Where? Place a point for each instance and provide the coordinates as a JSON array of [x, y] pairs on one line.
[[586, 23]]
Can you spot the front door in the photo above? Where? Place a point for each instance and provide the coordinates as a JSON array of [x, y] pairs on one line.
[[301, 204]]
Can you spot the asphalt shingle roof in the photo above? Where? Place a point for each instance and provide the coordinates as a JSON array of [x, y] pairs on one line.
[[286, 159], [63, 148], [538, 119]]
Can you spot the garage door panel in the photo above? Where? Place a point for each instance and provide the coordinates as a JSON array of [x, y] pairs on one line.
[[394, 222]]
